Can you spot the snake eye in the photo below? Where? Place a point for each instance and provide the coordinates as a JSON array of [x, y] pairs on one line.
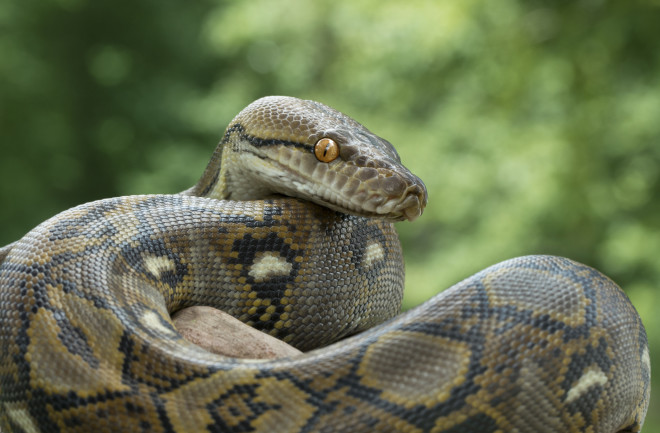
[[326, 150]]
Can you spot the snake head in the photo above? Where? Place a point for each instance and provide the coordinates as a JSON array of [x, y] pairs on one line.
[[304, 149]]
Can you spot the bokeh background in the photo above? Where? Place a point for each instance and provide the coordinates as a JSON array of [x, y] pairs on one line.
[[535, 125]]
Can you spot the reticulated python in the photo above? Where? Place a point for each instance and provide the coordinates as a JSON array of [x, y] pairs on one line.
[[534, 344]]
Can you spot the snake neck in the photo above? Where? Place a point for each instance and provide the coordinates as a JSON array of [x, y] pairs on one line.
[[227, 178]]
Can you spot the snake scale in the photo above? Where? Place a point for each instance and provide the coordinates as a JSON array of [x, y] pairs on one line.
[[290, 229]]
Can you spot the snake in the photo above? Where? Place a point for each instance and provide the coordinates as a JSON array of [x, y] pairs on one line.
[[291, 230]]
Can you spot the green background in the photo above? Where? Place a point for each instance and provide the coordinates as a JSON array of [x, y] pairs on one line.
[[535, 125]]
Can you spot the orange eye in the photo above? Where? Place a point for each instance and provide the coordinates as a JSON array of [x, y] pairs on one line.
[[326, 150]]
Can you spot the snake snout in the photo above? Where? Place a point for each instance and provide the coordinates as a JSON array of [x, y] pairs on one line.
[[413, 200], [393, 194], [414, 203]]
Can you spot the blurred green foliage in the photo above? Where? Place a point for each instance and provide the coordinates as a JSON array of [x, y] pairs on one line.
[[535, 125]]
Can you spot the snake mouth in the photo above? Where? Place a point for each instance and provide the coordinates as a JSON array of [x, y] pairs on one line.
[[408, 205], [391, 193]]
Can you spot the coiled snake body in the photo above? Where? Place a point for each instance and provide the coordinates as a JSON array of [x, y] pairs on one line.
[[534, 344]]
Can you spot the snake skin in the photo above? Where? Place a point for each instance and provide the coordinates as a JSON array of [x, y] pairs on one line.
[[533, 344]]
